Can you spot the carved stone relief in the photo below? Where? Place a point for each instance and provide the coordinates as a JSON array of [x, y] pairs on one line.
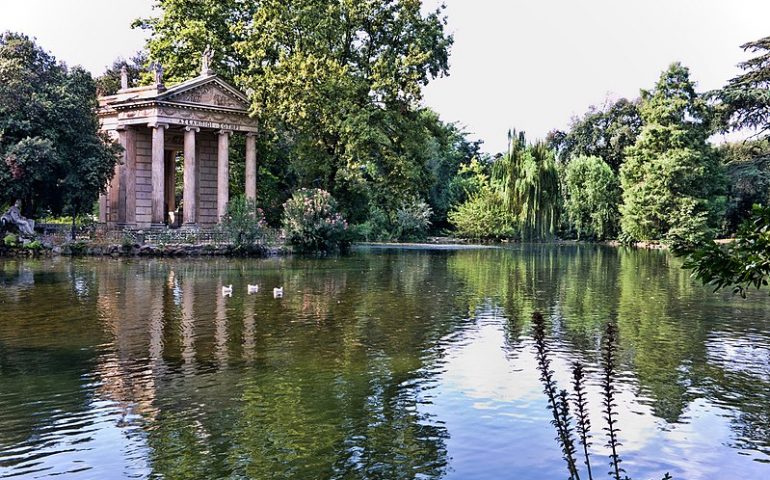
[[209, 94]]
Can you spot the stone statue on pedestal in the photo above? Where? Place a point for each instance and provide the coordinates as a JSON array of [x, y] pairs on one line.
[[157, 72], [206, 59], [13, 216]]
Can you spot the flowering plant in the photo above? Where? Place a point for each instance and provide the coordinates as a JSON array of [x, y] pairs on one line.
[[311, 222]]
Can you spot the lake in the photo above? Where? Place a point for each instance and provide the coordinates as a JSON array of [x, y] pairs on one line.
[[384, 364]]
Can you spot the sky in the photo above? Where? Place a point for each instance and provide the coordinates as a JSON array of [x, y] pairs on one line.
[[530, 65]]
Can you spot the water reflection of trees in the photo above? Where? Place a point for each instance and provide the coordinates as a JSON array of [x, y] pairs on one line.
[[29, 407], [664, 321], [326, 382], [329, 381]]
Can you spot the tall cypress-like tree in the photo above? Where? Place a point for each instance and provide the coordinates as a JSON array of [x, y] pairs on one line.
[[672, 183]]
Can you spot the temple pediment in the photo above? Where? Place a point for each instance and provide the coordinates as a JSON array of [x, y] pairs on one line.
[[208, 92], [206, 101]]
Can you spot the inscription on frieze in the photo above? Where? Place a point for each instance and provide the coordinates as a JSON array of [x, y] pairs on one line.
[[207, 124]]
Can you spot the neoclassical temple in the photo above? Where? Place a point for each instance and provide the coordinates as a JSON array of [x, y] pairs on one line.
[[154, 124]]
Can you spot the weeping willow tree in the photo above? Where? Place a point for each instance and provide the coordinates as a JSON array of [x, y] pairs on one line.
[[527, 179]]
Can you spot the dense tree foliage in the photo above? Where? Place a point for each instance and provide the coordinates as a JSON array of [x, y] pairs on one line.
[[603, 132], [479, 211], [108, 83], [743, 263], [746, 96], [591, 198], [671, 179], [243, 225], [52, 156], [336, 87], [449, 150], [747, 169], [483, 216]]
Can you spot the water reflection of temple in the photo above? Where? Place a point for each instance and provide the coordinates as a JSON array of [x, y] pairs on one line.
[[161, 322], [183, 356]]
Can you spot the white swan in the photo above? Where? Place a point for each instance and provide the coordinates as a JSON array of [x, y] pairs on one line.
[[278, 292], [252, 288], [227, 291]]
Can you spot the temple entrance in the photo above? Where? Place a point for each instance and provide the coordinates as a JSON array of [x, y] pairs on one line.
[[172, 203]]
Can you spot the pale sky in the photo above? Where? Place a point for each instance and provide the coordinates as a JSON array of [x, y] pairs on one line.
[[530, 64]]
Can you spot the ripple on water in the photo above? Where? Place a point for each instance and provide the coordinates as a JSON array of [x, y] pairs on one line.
[[385, 364]]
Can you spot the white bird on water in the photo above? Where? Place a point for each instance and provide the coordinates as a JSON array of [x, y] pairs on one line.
[[252, 289], [278, 292], [227, 291]]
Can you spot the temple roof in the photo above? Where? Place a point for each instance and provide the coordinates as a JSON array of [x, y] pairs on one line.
[[198, 101]]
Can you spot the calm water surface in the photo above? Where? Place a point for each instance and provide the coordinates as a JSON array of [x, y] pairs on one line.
[[387, 364]]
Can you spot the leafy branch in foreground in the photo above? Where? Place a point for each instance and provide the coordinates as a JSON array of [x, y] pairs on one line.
[[739, 265], [558, 403]]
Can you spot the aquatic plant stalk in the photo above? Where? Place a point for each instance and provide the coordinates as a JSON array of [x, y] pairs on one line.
[[557, 402], [609, 351], [581, 409]]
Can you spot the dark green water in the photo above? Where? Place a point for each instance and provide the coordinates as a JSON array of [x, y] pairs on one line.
[[387, 364]]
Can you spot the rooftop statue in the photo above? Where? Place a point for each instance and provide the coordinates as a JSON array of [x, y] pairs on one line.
[[206, 59]]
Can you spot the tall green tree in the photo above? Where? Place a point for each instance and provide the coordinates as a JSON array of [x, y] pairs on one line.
[[528, 181], [337, 83], [184, 28], [672, 183], [746, 103], [52, 155], [747, 97], [591, 198], [448, 150], [603, 132]]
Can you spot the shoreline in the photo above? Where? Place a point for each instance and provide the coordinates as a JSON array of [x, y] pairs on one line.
[[84, 248]]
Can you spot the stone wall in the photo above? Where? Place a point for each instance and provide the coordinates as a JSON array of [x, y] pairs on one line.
[[143, 177], [206, 143]]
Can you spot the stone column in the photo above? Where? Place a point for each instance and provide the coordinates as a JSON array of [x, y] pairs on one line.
[[158, 164], [119, 214], [190, 194], [103, 208], [223, 176], [130, 176], [251, 166], [113, 191]]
